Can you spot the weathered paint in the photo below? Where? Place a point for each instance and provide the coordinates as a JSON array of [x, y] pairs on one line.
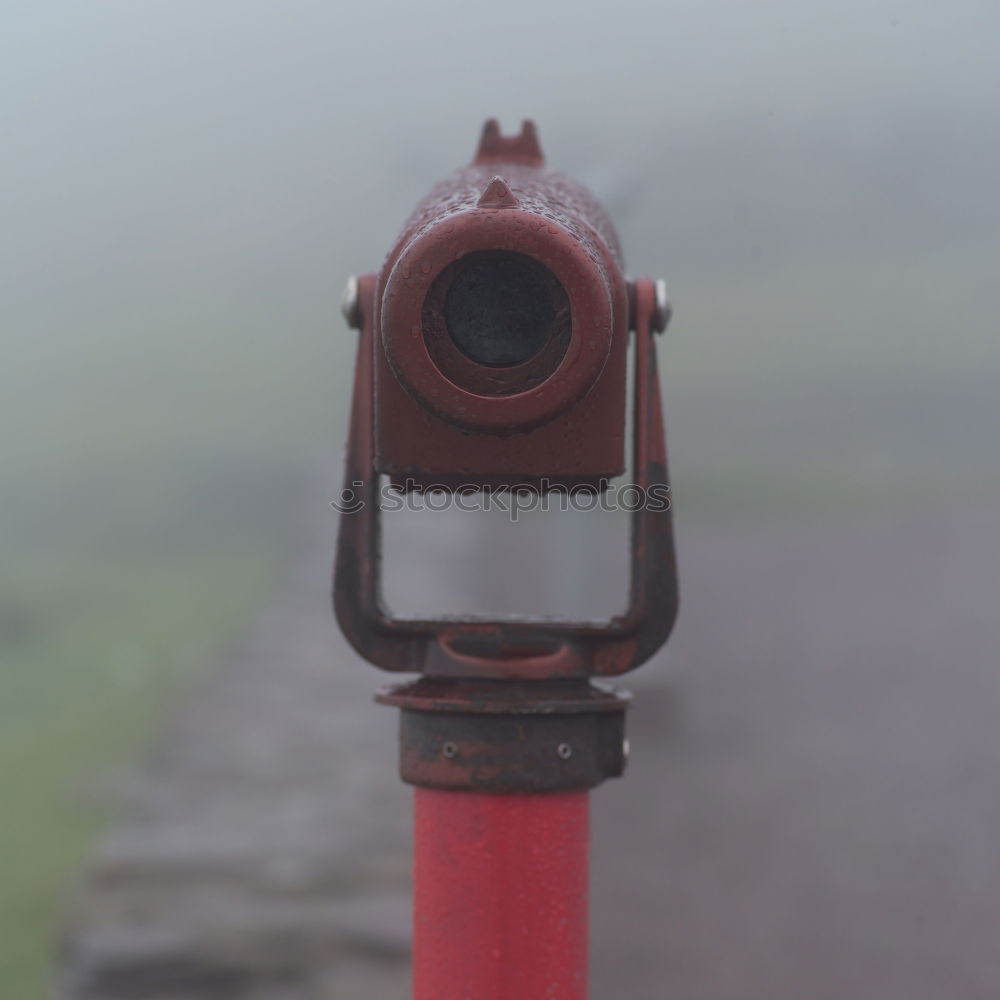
[[566, 420]]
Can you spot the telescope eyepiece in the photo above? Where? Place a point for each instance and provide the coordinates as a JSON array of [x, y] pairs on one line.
[[501, 308], [496, 323], [503, 304]]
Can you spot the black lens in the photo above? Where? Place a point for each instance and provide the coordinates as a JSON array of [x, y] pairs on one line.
[[500, 309]]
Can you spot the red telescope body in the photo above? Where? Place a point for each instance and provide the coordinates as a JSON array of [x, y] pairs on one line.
[[502, 312]]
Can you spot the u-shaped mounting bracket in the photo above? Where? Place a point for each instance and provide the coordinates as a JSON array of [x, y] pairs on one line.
[[522, 648]]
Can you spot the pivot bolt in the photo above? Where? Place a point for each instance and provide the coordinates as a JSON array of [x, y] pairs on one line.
[[350, 303], [663, 310]]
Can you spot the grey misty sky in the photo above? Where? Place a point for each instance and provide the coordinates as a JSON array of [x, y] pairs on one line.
[[186, 183], [154, 138]]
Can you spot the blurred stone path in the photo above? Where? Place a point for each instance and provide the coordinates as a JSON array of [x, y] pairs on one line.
[[262, 850], [812, 810]]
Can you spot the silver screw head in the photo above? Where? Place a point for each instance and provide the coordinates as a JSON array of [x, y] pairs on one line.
[[350, 303], [450, 749], [663, 311], [564, 750]]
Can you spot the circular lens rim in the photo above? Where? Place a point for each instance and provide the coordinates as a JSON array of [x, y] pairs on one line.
[[597, 302]]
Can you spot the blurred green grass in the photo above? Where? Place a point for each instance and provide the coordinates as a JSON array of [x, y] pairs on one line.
[[152, 482], [79, 698]]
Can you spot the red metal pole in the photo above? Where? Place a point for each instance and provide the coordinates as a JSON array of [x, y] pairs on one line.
[[500, 895]]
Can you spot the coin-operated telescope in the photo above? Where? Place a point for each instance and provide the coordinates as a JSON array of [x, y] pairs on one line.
[[494, 349]]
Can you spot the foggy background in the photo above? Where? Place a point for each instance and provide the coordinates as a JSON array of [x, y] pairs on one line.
[[187, 185]]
